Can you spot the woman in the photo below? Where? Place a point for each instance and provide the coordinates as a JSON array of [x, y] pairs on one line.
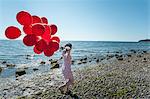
[[66, 69]]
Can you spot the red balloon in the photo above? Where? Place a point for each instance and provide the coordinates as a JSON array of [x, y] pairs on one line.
[[36, 19], [44, 20], [55, 38], [38, 38], [12, 32], [48, 52], [27, 29], [38, 33], [24, 18], [53, 29], [41, 45], [54, 45], [36, 51], [47, 34], [30, 40], [38, 29]]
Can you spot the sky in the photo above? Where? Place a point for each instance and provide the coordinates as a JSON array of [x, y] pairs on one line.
[[84, 20]]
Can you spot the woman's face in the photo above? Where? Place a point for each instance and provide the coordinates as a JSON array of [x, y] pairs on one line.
[[67, 48]]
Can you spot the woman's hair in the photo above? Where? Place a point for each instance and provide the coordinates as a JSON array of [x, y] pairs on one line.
[[69, 45]]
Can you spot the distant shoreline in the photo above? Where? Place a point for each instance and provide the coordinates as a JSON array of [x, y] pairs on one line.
[[145, 40]]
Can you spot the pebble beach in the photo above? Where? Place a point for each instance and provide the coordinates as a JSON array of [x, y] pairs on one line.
[[112, 76]]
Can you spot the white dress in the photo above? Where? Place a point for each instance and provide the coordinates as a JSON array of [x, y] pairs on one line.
[[66, 67]]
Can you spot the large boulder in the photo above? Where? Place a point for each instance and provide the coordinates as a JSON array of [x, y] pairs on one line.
[[55, 65], [10, 65], [4, 62], [20, 72]]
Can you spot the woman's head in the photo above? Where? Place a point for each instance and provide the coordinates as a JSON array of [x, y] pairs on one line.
[[69, 45]]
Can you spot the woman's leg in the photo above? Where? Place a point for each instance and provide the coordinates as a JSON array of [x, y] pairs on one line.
[[61, 88], [64, 88], [68, 86]]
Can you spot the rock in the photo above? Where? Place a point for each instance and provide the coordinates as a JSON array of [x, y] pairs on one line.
[[119, 57], [84, 62], [5, 89], [42, 62], [10, 65], [144, 51], [55, 65], [28, 55], [139, 56], [27, 58], [20, 72], [72, 61], [102, 59], [1, 69], [133, 51], [79, 62], [25, 67], [117, 52], [81, 59], [109, 56], [38, 93], [35, 69], [4, 62], [116, 55], [54, 61], [144, 60], [85, 58], [129, 55], [50, 60], [97, 60]]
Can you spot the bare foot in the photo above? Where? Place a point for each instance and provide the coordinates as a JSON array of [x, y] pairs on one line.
[[61, 90]]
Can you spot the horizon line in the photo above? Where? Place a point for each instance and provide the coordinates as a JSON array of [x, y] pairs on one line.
[[87, 40]]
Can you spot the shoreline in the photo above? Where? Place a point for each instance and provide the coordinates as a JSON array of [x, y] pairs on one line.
[[114, 76]]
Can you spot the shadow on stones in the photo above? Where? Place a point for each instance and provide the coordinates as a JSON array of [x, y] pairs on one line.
[[73, 96]]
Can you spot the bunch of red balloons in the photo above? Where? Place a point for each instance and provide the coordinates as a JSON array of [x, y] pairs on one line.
[[38, 32]]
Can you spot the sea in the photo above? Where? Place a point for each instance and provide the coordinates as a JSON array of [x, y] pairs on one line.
[[15, 52]]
